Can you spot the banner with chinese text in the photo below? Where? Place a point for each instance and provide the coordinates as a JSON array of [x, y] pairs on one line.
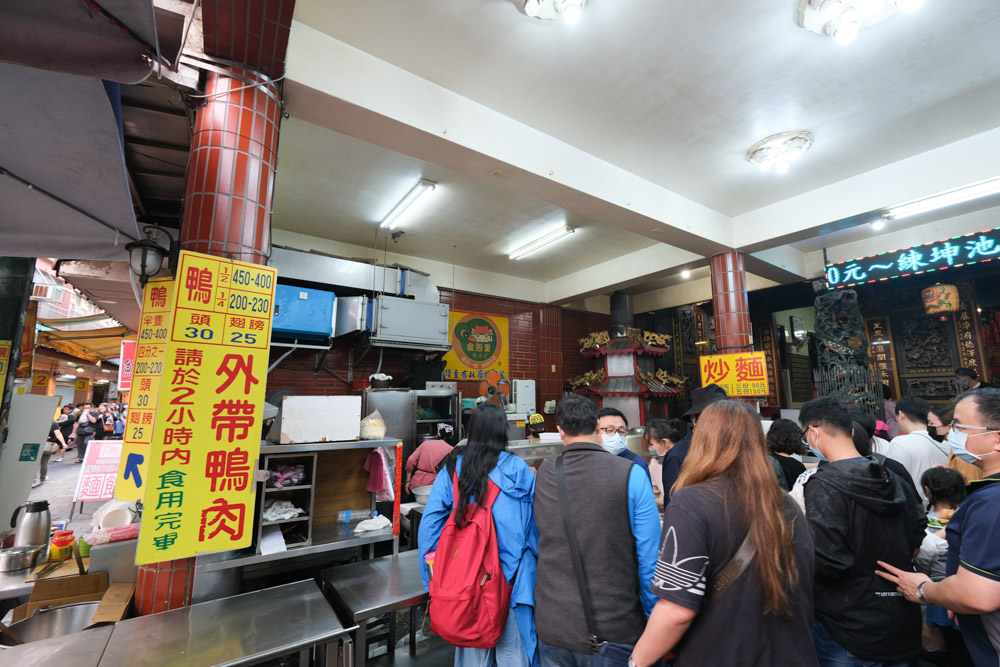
[[147, 369], [126, 364], [767, 343], [967, 334], [743, 374], [880, 349], [98, 471], [479, 343], [200, 494]]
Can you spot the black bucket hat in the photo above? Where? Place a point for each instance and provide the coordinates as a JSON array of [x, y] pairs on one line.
[[702, 397]]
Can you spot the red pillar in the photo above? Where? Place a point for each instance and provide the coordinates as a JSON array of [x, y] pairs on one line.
[[729, 301], [227, 213]]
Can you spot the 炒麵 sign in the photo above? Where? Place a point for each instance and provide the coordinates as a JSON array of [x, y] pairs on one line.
[[743, 374], [200, 494]]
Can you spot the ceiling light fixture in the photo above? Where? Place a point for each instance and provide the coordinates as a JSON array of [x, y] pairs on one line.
[[779, 150], [685, 274], [843, 19], [569, 11], [878, 225], [541, 242], [406, 202], [145, 257], [944, 199]]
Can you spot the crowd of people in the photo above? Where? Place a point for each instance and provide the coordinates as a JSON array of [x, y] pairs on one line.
[[75, 427], [882, 551]]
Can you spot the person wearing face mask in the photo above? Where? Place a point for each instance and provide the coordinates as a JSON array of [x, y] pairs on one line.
[[613, 427], [971, 587], [938, 426], [701, 398], [967, 379], [915, 448], [658, 439], [857, 512]]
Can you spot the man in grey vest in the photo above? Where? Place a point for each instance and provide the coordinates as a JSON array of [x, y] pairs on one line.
[[617, 527]]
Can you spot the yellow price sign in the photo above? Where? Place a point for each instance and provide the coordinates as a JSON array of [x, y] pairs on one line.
[[206, 440], [147, 369], [743, 374]]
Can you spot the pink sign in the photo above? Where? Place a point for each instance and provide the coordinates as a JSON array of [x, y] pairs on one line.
[[100, 470], [126, 365]]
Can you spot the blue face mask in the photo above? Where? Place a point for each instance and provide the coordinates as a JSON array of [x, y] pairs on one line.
[[818, 454], [957, 442], [613, 443]]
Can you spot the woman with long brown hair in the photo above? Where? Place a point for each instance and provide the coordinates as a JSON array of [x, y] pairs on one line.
[[727, 509]]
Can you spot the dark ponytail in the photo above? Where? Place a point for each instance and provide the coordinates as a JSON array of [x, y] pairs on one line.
[[487, 438]]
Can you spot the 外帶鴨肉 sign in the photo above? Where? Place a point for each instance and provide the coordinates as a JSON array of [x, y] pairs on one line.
[[954, 252], [743, 374], [99, 471], [126, 364], [200, 493], [479, 344], [147, 370]]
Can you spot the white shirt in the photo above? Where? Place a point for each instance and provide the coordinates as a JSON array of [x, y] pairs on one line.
[[917, 451]]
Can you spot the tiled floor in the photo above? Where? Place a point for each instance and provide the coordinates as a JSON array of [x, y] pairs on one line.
[[59, 490]]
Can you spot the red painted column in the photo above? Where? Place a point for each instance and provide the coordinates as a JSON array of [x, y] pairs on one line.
[[227, 213], [729, 301], [230, 178]]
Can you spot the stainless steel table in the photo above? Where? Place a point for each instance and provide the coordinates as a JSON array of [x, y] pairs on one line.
[[80, 649], [13, 585], [371, 588], [242, 630]]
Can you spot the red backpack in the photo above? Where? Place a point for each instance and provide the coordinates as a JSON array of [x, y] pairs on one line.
[[469, 595]]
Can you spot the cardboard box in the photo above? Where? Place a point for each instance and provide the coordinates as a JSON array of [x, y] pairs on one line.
[[116, 599]]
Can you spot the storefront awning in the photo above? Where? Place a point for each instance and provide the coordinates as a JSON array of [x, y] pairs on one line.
[[92, 344]]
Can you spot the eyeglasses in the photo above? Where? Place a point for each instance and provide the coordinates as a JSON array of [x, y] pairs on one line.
[[805, 439], [608, 430], [984, 429]]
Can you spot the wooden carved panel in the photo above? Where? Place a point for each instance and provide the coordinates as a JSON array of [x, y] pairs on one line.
[[927, 345]]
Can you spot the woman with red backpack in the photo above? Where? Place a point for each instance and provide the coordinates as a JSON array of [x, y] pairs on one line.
[[482, 594]]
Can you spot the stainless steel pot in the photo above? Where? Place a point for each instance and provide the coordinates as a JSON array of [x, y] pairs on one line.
[[19, 558], [47, 623]]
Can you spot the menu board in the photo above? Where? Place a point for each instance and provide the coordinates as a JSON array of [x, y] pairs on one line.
[[147, 369], [206, 440]]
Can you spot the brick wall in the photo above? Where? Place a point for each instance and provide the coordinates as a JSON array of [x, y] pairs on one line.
[[542, 336]]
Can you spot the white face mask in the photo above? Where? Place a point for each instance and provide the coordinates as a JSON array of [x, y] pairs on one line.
[[613, 443], [957, 441]]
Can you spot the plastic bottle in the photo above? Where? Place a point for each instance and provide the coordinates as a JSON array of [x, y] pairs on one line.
[[349, 516]]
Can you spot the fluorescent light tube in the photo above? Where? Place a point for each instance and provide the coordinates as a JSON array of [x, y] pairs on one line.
[[541, 242], [419, 189], [950, 198]]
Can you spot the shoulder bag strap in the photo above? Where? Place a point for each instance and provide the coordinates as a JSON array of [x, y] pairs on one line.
[[574, 550], [732, 571]]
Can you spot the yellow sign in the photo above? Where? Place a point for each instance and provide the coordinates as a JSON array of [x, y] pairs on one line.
[[40, 380], [4, 361], [743, 374], [147, 369], [479, 343], [200, 492], [82, 384]]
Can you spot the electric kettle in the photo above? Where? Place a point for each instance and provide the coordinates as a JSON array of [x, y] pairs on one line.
[[32, 528]]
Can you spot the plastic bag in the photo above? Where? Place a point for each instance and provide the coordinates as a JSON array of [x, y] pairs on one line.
[[387, 494], [286, 475], [373, 427]]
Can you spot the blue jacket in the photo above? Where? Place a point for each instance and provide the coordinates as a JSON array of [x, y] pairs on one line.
[[638, 460], [517, 536]]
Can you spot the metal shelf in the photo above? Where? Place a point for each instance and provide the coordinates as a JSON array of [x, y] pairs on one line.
[[435, 421], [273, 489], [330, 537], [294, 518], [268, 447]]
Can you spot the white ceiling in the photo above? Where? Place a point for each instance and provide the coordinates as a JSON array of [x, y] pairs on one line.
[[333, 186], [674, 92]]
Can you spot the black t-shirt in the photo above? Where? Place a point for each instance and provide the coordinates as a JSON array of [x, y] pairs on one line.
[[52, 432], [791, 467], [702, 529], [67, 429]]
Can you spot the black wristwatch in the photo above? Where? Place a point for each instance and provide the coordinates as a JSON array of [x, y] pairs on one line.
[[920, 590]]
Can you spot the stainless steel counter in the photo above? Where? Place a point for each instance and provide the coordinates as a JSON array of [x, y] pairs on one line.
[[13, 585], [533, 450], [362, 591], [80, 649], [242, 630]]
